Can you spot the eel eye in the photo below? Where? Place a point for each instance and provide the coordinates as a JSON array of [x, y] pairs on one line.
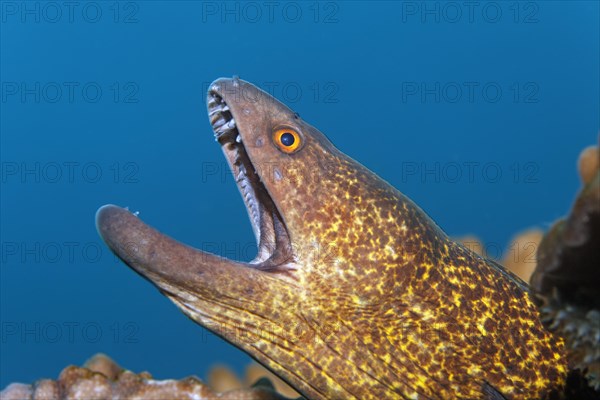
[[287, 140]]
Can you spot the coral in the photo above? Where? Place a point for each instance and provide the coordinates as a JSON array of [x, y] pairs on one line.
[[522, 252], [103, 364], [221, 378], [101, 378], [589, 163], [567, 276], [255, 372], [568, 259]]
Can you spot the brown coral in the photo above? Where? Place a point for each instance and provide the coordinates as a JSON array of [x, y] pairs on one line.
[[589, 163], [221, 378], [101, 378], [255, 372], [522, 253], [567, 277]]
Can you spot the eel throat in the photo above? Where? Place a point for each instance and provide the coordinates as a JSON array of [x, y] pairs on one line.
[[355, 293]]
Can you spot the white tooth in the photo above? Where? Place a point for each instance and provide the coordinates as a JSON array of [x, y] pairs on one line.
[[230, 124], [215, 110], [240, 177], [238, 139], [219, 122], [225, 107]]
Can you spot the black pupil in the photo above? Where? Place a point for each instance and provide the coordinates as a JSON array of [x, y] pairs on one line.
[[287, 139]]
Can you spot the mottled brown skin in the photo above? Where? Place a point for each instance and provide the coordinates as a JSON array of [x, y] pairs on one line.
[[371, 300]]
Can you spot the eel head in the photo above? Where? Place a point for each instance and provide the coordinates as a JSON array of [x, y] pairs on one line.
[[301, 195]]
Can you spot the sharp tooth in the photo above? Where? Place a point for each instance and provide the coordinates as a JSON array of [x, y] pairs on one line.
[[230, 124], [216, 116], [225, 107], [238, 139], [219, 122], [215, 110], [240, 177]]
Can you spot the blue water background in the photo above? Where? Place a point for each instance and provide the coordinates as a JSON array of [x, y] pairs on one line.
[[389, 83]]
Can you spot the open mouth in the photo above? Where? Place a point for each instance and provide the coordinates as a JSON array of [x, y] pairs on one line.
[[272, 237]]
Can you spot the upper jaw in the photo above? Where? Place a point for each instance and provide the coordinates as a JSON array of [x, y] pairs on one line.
[[225, 104]]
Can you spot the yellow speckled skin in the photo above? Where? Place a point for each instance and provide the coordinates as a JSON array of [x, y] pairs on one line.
[[377, 302]]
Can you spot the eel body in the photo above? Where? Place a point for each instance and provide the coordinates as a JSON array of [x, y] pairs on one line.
[[355, 292]]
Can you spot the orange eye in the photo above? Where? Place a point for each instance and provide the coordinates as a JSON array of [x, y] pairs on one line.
[[288, 140]]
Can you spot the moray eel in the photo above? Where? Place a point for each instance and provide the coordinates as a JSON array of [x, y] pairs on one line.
[[355, 292]]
